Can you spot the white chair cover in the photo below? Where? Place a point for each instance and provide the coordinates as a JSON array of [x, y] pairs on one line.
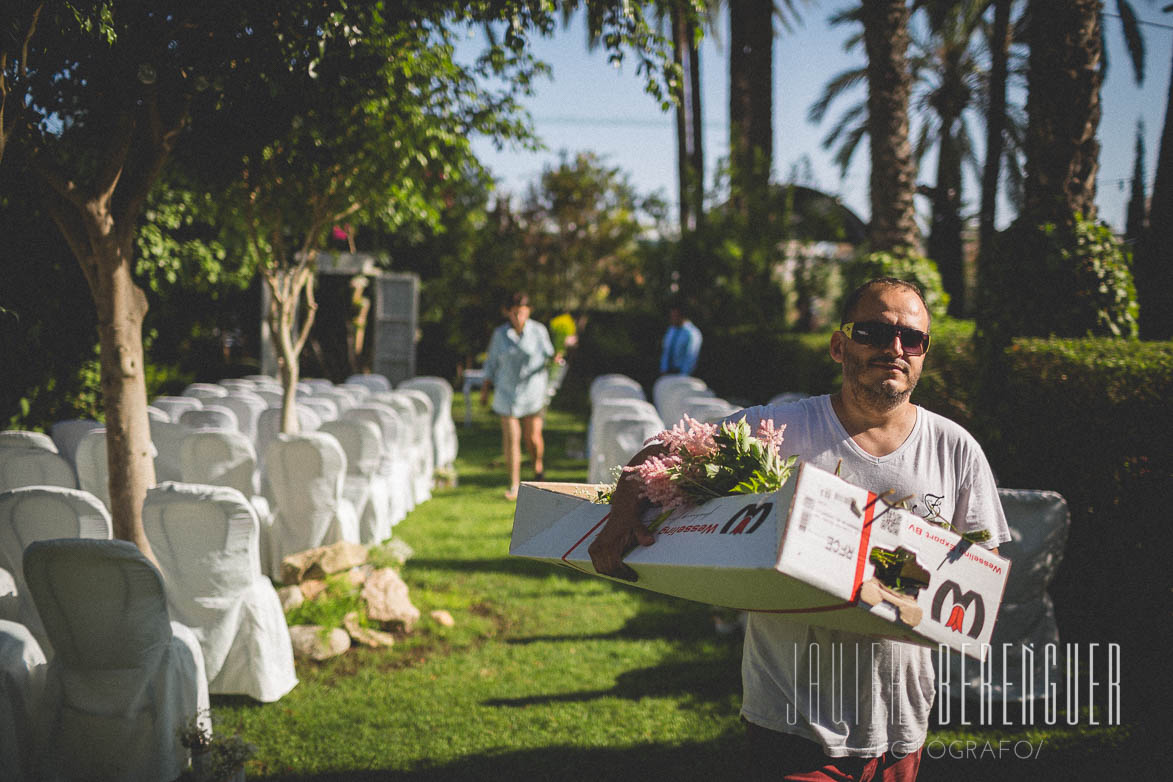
[[93, 472], [444, 438], [371, 380], [304, 475], [124, 678], [342, 398], [366, 487], [205, 391], [207, 542], [176, 406], [21, 438], [397, 466], [358, 392], [34, 467], [274, 396], [269, 426], [419, 439], [262, 379], [317, 384], [167, 437], [619, 439], [22, 684], [325, 408], [236, 384], [674, 406], [214, 416], [44, 513], [706, 409], [665, 383], [157, 414], [425, 415], [67, 435], [626, 407], [1039, 522], [615, 385], [248, 406], [216, 458]]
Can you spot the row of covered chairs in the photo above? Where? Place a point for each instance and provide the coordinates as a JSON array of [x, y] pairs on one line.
[[106, 655], [621, 421]]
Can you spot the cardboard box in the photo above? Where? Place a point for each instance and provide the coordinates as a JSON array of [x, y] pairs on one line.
[[803, 551]]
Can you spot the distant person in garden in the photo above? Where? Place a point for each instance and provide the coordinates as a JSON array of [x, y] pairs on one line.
[[516, 370], [682, 343], [866, 714]]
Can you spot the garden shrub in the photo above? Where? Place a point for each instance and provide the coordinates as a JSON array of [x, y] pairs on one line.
[[1065, 281]]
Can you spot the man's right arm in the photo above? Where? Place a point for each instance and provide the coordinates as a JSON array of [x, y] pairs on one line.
[[624, 529]]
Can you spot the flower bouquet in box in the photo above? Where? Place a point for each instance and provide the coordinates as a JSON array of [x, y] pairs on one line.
[[704, 461]]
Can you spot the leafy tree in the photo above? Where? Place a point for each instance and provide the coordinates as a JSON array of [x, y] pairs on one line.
[[103, 92], [1137, 218], [579, 224]]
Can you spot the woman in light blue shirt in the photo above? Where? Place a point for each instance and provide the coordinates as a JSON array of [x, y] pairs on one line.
[[516, 369]]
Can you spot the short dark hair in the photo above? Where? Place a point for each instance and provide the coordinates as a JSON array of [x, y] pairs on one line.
[[852, 300], [518, 299]]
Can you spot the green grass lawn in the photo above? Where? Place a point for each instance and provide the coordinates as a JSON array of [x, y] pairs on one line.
[[550, 674]]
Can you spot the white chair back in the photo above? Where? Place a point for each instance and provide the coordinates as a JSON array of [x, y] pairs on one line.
[[22, 682], [304, 474], [444, 438], [214, 416], [236, 384], [619, 439], [67, 435], [219, 458], [666, 383], [366, 485], [706, 409], [176, 406], [786, 397], [44, 513], [325, 408], [269, 426], [615, 385], [248, 406], [93, 472], [205, 391], [207, 542], [20, 438], [371, 380], [167, 437], [124, 678], [34, 467]]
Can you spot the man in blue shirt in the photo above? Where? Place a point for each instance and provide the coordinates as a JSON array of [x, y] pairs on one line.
[[682, 343]]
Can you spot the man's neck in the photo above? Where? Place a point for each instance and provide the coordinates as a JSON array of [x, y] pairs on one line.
[[878, 431]]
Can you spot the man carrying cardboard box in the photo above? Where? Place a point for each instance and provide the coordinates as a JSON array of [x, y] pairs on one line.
[[823, 704]]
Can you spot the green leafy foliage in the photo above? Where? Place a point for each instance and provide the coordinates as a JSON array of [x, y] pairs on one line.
[[903, 266], [1066, 280]]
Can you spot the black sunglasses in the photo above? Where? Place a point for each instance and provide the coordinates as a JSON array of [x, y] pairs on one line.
[[880, 335]]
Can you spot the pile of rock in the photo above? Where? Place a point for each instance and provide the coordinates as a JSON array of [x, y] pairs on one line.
[[385, 600]]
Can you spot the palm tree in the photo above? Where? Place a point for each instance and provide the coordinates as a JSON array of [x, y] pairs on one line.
[[947, 83], [690, 154], [751, 108], [1063, 109]]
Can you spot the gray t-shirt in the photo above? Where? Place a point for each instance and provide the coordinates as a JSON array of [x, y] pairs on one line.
[[852, 694]]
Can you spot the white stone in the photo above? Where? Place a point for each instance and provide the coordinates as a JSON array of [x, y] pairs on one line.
[[308, 642]]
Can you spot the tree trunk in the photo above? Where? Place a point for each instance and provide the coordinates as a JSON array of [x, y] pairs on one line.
[[945, 243], [1063, 108], [121, 307], [286, 286], [751, 129], [995, 122], [892, 184], [689, 155], [1154, 258]]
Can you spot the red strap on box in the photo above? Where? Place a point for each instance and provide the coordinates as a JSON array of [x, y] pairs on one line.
[[865, 537]]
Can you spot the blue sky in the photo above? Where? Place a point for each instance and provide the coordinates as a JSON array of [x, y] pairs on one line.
[[590, 105]]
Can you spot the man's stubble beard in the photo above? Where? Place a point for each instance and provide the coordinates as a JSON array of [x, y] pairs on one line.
[[882, 398]]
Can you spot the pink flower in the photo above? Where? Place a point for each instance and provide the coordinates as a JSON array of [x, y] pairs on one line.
[[657, 486], [770, 435], [689, 437]]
